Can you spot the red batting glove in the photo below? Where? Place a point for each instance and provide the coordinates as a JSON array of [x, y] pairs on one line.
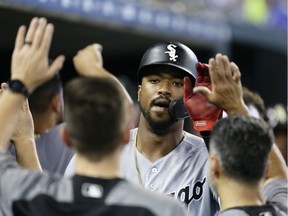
[[201, 111]]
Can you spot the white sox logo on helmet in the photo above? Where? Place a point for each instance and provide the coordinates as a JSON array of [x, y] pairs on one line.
[[172, 52]]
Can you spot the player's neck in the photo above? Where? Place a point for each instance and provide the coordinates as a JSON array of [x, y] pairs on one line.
[[154, 146], [43, 122], [235, 194], [106, 168]]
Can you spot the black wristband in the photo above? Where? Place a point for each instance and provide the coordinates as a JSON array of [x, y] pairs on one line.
[[18, 87]]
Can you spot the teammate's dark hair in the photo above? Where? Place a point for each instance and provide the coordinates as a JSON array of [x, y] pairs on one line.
[[243, 145], [41, 97], [93, 113]]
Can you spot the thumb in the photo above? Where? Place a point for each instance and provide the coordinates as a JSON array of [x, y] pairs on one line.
[[188, 88], [56, 65], [202, 90]]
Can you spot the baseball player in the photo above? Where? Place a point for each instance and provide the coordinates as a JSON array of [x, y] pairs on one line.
[[239, 162], [90, 103], [160, 156]]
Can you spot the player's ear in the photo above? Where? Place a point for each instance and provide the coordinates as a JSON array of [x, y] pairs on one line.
[[139, 92], [215, 166], [56, 102], [65, 136]]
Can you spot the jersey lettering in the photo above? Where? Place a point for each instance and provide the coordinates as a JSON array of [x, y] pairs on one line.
[[183, 193]]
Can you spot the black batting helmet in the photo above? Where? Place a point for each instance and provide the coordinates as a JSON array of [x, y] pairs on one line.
[[174, 54]]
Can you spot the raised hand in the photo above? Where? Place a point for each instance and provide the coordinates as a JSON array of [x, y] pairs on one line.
[[30, 56], [201, 111], [226, 92], [89, 62], [30, 68]]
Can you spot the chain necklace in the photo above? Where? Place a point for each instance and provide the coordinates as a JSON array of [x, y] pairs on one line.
[[136, 161]]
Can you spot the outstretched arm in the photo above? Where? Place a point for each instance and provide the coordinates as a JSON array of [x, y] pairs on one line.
[[24, 141], [23, 137], [218, 87], [30, 67]]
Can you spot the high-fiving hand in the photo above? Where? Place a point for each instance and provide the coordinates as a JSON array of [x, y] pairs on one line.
[[30, 56], [226, 92], [201, 111]]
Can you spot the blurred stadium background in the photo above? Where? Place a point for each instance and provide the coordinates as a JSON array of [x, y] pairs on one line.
[[253, 33]]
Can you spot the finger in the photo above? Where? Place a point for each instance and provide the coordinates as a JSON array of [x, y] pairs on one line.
[[199, 73], [222, 62], [202, 90], [31, 30], [98, 47], [218, 72], [47, 39], [56, 66], [188, 88], [39, 32], [206, 78], [236, 75], [225, 67], [20, 38], [213, 71]]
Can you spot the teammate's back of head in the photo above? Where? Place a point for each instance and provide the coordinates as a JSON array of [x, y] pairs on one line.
[[242, 145], [96, 114]]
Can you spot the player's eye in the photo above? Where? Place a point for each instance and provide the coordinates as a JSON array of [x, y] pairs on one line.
[[178, 83], [154, 81]]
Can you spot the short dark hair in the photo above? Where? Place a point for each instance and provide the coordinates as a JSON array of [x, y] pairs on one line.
[[243, 145], [40, 99], [94, 113]]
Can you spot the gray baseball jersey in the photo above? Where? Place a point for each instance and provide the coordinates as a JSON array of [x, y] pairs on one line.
[[181, 174], [26, 192]]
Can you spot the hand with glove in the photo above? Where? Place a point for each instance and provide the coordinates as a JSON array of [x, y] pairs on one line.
[[201, 111], [226, 92]]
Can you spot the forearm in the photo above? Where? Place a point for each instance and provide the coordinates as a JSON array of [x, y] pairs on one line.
[[9, 112], [26, 154]]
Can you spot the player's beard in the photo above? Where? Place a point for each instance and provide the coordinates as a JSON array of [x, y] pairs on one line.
[[157, 127]]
